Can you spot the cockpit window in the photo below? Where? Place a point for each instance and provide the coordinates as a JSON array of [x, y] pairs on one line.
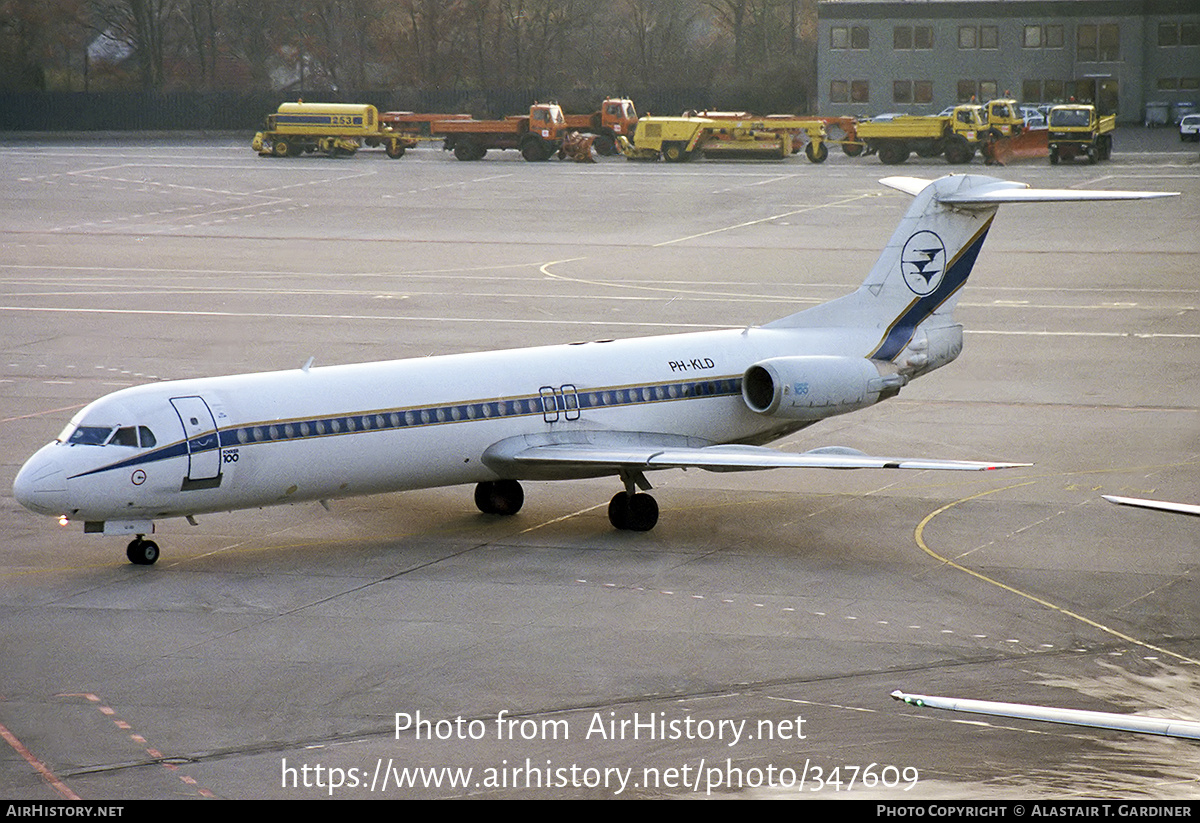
[[131, 436], [126, 436], [90, 435]]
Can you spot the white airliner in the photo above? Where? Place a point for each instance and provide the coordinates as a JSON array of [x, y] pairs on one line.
[[623, 408]]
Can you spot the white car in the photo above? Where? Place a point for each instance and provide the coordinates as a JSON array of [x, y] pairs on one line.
[[1189, 127]]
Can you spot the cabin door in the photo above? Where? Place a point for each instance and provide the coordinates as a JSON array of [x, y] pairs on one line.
[[203, 442]]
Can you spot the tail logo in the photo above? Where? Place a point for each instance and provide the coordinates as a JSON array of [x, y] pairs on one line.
[[923, 262]]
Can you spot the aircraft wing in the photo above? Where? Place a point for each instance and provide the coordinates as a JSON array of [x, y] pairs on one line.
[[1160, 505], [714, 458], [1141, 724], [1004, 191]]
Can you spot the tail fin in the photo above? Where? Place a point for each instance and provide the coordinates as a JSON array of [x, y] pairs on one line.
[[919, 274]]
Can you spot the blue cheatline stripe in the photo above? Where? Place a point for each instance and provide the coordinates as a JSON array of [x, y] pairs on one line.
[[901, 331], [423, 416]]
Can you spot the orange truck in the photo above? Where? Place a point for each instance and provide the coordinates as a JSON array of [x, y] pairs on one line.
[[617, 117], [537, 135]]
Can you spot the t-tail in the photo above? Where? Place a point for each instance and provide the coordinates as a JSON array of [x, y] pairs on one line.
[[906, 303]]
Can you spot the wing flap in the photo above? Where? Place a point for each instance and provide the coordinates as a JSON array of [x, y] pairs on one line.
[[727, 458]]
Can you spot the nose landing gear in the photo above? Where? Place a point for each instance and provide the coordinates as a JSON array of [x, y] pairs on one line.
[[142, 552]]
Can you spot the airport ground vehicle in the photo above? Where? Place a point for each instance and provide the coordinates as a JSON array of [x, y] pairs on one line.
[[337, 129], [1079, 130], [537, 135], [413, 124], [723, 134], [956, 135], [1189, 127], [847, 128], [1002, 118], [617, 116]]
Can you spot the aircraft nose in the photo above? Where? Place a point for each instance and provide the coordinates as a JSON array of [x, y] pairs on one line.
[[41, 484]]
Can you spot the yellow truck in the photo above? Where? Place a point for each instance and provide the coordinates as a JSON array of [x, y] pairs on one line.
[[1002, 119], [336, 129], [726, 135], [955, 135], [1079, 130]]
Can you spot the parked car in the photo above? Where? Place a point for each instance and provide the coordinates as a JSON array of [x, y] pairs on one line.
[[1189, 127]]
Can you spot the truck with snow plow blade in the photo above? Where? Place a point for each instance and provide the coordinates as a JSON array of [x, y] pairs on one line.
[[616, 117]]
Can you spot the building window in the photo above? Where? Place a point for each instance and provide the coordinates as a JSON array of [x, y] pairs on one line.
[[839, 91], [988, 89], [966, 91], [1043, 37], [852, 37], [1189, 83], [981, 37], [1031, 91], [1052, 90], [859, 91], [1098, 43], [1168, 83], [1183, 34], [912, 91], [912, 37]]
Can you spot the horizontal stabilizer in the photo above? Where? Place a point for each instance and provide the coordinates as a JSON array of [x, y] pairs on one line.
[[1187, 729], [979, 190], [1158, 505]]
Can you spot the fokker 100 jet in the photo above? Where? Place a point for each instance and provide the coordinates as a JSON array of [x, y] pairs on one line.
[[623, 408]]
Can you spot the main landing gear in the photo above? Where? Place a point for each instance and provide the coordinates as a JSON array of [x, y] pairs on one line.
[[630, 510], [633, 512], [141, 551], [499, 497]]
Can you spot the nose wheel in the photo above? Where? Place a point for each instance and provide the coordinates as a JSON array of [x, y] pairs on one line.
[[142, 552]]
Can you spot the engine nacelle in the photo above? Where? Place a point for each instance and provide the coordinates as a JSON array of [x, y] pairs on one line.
[[812, 388]]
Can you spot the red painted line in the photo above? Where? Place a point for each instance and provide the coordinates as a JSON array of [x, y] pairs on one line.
[[121, 723], [39, 414], [38, 765]]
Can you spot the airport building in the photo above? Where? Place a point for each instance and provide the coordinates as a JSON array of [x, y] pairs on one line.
[[919, 56]]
